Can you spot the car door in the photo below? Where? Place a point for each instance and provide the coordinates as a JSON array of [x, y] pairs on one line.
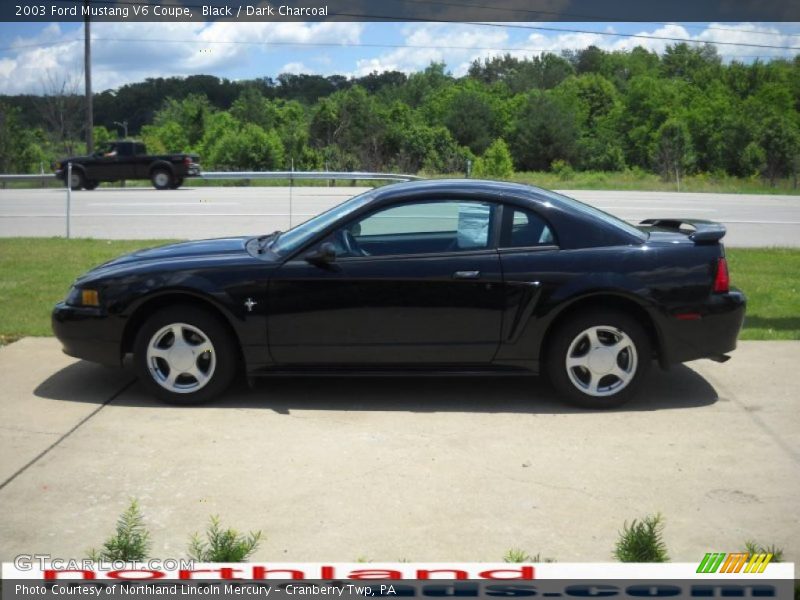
[[533, 268], [417, 282]]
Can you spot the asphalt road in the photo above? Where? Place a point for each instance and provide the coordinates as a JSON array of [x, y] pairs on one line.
[[195, 213], [458, 469]]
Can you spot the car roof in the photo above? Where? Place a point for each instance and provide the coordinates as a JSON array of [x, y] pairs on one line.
[[455, 186]]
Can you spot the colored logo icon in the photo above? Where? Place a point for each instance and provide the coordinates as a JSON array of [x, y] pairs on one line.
[[737, 562]]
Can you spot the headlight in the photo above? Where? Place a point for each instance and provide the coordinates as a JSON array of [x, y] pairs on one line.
[[83, 297]]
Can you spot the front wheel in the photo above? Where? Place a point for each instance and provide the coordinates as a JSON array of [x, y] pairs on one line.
[[598, 358], [184, 355], [161, 178]]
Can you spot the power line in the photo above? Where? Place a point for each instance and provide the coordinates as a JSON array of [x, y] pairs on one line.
[[341, 45]]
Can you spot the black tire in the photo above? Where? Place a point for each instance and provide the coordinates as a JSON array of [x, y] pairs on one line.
[[176, 183], [190, 319], [90, 185], [78, 180], [572, 338], [161, 178]]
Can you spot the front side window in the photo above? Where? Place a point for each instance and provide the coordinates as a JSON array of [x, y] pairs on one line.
[[419, 228]]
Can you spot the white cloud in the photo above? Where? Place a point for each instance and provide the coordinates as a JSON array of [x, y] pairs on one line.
[[128, 52], [455, 44], [296, 68], [747, 33], [484, 42]]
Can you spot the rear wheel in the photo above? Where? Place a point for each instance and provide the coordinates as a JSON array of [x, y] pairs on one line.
[[184, 355], [77, 180], [176, 183], [161, 178], [598, 358], [90, 185]]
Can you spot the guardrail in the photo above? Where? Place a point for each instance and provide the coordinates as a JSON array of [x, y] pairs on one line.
[[290, 175], [34, 177]]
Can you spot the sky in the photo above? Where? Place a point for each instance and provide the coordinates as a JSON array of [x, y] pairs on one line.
[[34, 57]]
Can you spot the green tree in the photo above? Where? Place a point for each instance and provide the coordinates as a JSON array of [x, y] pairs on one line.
[[247, 148], [672, 150], [496, 162], [753, 160], [190, 114], [471, 117], [780, 140], [252, 107], [544, 129], [22, 149]]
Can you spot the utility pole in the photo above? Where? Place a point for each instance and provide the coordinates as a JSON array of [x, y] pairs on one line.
[[124, 125], [87, 71]]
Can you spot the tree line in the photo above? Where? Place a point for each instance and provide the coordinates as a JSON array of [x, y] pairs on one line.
[[679, 112]]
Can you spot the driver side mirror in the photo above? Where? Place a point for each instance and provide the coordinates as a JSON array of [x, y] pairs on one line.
[[325, 255]]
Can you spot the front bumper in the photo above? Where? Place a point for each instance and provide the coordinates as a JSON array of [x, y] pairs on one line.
[[711, 335], [86, 333]]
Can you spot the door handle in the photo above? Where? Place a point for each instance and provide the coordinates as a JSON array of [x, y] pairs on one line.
[[466, 275]]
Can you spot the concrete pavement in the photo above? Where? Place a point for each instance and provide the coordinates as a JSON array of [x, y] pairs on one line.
[[202, 212], [421, 469]]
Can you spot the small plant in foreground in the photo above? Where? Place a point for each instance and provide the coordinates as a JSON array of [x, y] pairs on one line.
[[131, 540], [641, 541], [223, 545], [754, 548], [516, 555]]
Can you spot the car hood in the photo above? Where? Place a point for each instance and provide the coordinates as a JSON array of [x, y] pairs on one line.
[[183, 251]]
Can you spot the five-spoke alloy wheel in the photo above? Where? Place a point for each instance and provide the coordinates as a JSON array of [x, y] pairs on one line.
[[597, 358], [601, 360], [185, 354], [181, 358]]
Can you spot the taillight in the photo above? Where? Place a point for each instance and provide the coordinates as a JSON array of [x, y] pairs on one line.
[[722, 281], [187, 161]]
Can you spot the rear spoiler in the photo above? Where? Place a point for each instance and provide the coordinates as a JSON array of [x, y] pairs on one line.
[[705, 232]]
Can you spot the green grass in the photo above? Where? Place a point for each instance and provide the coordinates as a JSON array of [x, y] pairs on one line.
[[35, 273], [770, 277]]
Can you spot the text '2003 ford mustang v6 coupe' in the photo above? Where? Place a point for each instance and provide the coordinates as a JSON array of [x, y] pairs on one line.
[[433, 276]]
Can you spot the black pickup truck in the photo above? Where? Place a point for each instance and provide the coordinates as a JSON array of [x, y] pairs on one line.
[[121, 160]]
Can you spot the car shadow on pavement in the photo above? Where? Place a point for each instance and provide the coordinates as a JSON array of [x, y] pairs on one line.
[[680, 387]]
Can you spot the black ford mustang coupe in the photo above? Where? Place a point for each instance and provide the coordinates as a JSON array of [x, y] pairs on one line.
[[432, 276]]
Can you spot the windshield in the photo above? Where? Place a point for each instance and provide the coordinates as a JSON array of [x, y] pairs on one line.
[[297, 237], [594, 212]]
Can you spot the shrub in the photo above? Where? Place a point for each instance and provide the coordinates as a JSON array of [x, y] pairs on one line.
[[641, 541], [562, 169], [495, 162], [131, 541], [223, 545], [754, 548], [516, 555]]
